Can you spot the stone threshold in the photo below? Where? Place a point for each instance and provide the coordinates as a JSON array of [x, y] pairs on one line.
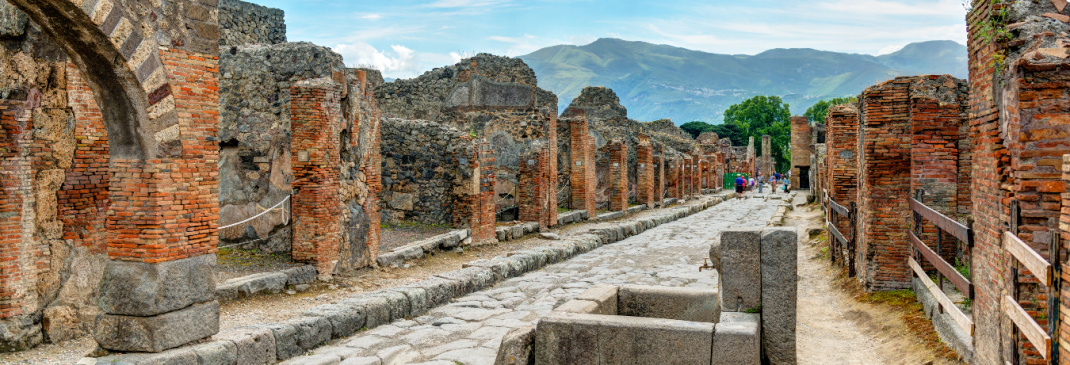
[[270, 343]]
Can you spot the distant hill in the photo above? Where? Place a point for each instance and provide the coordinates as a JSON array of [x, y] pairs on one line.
[[660, 81]]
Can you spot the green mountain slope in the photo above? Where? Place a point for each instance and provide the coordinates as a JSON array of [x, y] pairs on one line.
[[659, 81]]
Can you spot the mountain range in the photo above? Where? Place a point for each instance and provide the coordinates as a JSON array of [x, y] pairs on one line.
[[659, 81]]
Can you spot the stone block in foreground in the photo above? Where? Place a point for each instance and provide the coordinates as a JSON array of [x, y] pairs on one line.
[[779, 294]]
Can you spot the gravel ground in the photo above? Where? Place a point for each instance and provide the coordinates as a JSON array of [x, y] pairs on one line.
[[235, 262], [402, 234], [273, 308]]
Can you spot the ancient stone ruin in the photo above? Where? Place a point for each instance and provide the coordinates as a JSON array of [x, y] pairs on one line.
[[142, 138]]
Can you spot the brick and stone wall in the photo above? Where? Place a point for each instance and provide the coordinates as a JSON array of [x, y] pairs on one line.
[[801, 134], [242, 23], [254, 130], [425, 171], [537, 184], [493, 97]]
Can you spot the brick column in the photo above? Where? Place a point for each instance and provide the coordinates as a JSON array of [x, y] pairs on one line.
[[800, 149], [842, 141], [482, 220], [645, 190], [618, 176], [535, 187], [659, 175], [936, 125], [582, 181], [884, 183], [162, 225], [316, 122]]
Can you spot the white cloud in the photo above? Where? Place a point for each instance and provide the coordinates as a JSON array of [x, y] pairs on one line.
[[399, 61], [370, 16]]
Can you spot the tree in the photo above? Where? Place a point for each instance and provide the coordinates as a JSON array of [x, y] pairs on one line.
[[732, 132], [820, 110], [764, 115], [696, 128]]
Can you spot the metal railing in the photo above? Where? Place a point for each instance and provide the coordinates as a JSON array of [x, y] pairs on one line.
[[920, 253]]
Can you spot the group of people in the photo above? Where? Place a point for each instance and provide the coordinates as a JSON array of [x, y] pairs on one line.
[[744, 183]]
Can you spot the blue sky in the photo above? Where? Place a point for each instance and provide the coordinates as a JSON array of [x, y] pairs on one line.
[[404, 38]]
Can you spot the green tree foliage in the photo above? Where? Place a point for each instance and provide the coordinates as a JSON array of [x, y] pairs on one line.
[[696, 128], [764, 115], [820, 110], [730, 131]]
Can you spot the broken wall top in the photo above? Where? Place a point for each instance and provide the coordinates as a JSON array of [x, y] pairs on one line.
[[598, 103], [482, 81], [243, 23]]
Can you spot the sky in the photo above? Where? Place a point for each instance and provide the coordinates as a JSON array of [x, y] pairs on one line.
[[405, 38]]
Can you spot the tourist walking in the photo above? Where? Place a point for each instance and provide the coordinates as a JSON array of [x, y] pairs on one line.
[[739, 186]]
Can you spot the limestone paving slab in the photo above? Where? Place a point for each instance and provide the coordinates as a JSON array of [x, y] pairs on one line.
[[470, 328]]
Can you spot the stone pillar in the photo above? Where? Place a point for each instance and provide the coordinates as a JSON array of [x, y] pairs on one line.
[[618, 176], [644, 153], [800, 151], [582, 182], [316, 122], [158, 289]]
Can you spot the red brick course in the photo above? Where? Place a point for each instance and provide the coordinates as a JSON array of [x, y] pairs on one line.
[[536, 186], [17, 257], [83, 199]]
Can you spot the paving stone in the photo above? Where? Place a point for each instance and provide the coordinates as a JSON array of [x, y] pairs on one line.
[[516, 347], [376, 309], [345, 320], [314, 360], [471, 279], [253, 345], [666, 254], [295, 336], [366, 360]]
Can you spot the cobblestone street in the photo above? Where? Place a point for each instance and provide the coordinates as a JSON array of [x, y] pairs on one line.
[[469, 329]]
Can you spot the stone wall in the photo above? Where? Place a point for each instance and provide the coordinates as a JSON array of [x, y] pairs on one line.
[[425, 171], [492, 97], [254, 130], [609, 120], [243, 23]]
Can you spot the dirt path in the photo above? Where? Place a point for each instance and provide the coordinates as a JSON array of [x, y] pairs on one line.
[[834, 327]]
